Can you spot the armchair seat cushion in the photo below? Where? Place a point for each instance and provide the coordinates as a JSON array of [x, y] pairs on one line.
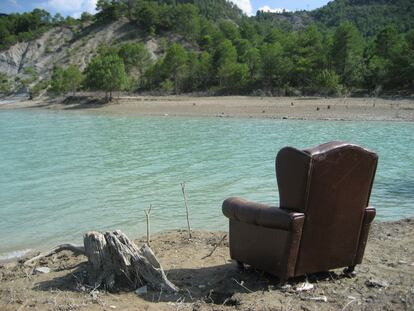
[[259, 214]]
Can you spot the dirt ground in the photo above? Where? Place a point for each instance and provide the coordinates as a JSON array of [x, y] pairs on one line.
[[384, 281], [308, 108]]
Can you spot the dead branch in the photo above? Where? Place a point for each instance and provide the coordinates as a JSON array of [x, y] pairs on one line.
[[215, 247], [78, 249], [186, 209], [242, 285], [147, 216]]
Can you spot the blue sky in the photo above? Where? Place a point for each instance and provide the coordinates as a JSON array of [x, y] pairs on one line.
[[76, 7]]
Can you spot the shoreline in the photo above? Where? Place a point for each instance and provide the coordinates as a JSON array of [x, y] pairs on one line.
[[383, 280], [296, 108], [17, 255]]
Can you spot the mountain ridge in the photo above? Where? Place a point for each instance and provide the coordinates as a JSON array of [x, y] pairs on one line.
[[369, 16], [228, 53]]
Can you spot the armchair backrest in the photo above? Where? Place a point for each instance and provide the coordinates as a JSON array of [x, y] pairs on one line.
[[331, 184]]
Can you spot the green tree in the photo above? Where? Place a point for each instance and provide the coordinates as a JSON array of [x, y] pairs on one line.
[[274, 35], [386, 42], [175, 65], [249, 32], [134, 55], [230, 30], [187, 21], [58, 19], [38, 88], [66, 80], [251, 57], [147, 15], [346, 54], [108, 10], [153, 76], [106, 73], [401, 69], [72, 79], [86, 17], [225, 53], [57, 82], [327, 82], [233, 76], [5, 84], [275, 66], [306, 53], [204, 71]]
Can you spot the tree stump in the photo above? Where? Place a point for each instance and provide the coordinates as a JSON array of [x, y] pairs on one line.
[[116, 262]]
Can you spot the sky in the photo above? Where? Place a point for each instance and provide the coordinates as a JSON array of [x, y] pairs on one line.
[[75, 7]]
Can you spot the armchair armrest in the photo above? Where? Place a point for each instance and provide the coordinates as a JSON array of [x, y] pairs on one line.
[[369, 215], [259, 214]]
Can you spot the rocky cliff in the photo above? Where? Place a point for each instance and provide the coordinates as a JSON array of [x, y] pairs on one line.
[[66, 45]]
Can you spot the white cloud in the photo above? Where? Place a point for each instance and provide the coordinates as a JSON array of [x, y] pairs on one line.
[[71, 7], [245, 6], [87, 6], [273, 10], [13, 2]]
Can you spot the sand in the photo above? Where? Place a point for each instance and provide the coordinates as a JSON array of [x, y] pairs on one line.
[[384, 280], [311, 108]]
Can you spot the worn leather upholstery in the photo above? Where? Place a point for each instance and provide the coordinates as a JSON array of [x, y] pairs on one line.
[[259, 214], [323, 219]]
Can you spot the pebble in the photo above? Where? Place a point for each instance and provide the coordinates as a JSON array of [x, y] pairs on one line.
[[41, 270], [319, 298], [376, 283], [304, 287], [286, 287]]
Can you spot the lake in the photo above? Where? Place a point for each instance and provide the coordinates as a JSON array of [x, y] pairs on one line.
[[65, 173]]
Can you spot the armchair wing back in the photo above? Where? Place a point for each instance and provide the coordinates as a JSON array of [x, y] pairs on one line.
[[323, 219]]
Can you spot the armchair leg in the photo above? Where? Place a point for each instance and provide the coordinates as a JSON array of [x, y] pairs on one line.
[[282, 280], [349, 271]]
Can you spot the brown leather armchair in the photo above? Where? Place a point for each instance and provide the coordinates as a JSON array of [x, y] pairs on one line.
[[323, 219]]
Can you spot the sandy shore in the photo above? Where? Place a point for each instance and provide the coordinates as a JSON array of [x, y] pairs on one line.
[[312, 108], [384, 280]]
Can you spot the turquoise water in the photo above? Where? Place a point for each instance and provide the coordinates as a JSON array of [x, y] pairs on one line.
[[63, 174]]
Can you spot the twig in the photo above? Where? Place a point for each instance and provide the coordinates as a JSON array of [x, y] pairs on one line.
[[353, 300], [209, 295], [74, 248], [186, 209], [215, 247], [23, 305], [55, 298], [241, 284], [159, 297], [147, 216], [189, 293]]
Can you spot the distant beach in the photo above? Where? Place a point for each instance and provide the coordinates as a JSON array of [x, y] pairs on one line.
[[310, 108]]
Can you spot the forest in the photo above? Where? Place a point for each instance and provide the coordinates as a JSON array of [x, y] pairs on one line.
[[220, 51]]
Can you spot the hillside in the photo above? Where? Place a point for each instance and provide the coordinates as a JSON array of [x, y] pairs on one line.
[[207, 47], [369, 16], [67, 45]]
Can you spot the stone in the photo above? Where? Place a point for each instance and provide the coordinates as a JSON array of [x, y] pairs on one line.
[[41, 270]]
